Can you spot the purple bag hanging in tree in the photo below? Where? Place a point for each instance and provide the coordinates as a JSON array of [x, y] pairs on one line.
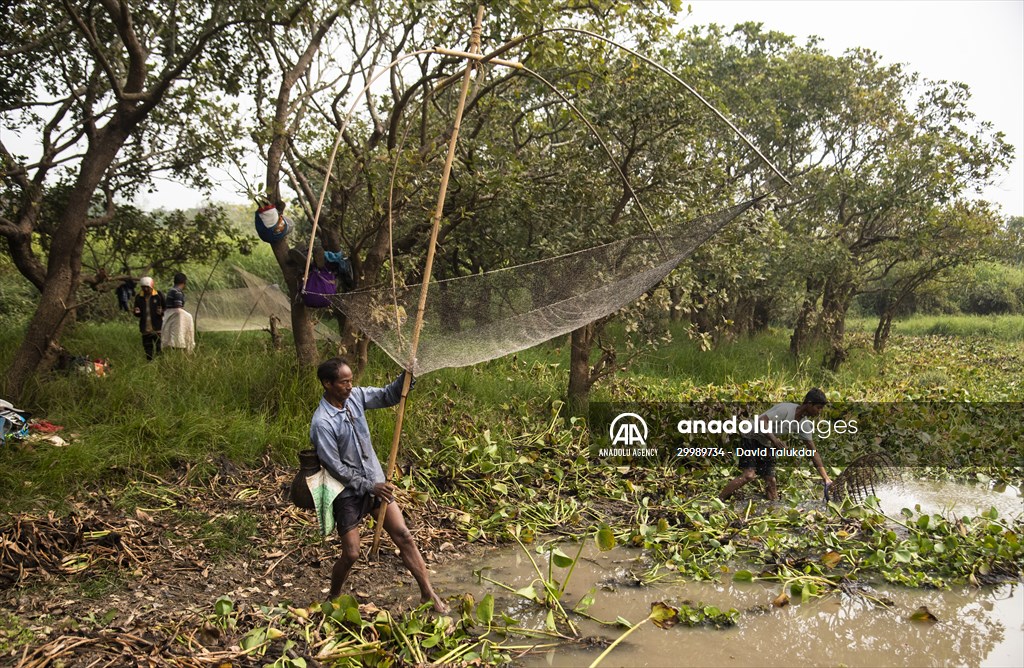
[[320, 286]]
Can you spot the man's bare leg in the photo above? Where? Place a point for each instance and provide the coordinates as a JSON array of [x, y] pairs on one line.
[[737, 482], [394, 524], [772, 487], [349, 556]]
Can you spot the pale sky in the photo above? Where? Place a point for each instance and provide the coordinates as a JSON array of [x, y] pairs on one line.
[[977, 42]]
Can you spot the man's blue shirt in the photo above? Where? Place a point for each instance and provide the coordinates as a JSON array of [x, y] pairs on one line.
[[342, 437]]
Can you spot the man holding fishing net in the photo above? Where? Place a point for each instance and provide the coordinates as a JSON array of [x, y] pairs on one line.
[[341, 436], [758, 450]]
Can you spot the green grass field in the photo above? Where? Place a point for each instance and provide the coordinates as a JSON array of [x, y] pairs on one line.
[[999, 327], [237, 398]]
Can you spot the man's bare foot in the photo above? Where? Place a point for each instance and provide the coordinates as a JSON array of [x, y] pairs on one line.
[[439, 605]]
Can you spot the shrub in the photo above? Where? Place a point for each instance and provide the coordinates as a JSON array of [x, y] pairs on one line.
[[993, 288]]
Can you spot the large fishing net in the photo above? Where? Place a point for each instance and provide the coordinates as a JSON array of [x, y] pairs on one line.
[[480, 317], [246, 308]]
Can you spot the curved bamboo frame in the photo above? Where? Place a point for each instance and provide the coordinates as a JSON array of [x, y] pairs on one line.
[[492, 57], [476, 59]]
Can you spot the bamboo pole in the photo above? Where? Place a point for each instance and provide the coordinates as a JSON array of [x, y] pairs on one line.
[[474, 48]]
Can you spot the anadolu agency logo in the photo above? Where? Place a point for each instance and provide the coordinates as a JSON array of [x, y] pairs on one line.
[[628, 429]]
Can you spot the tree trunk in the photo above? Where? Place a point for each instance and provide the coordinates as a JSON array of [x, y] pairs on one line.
[[837, 352], [44, 331], [451, 309], [761, 315], [835, 303], [63, 267], [580, 381], [348, 345], [275, 331], [675, 296], [362, 351], [882, 330], [20, 248], [802, 330], [143, 90], [355, 345], [302, 327], [891, 309]]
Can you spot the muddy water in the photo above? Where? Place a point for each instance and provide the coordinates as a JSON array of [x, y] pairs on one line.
[[947, 498], [976, 627]]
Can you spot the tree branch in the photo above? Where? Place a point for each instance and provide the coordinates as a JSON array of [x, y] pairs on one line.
[[94, 47]]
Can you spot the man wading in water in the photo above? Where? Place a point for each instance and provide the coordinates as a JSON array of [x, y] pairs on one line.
[[342, 440], [757, 459]]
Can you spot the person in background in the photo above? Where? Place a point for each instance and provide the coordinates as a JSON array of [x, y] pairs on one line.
[[178, 330], [784, 418], [126, 292], [149, 309], [341, 436]]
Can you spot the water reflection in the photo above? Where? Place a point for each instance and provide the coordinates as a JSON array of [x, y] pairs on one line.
[[946, 498]]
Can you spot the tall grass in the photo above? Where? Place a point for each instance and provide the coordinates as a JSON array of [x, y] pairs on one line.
[[766, 356], [999, 327], [234, 397], [763, 362]]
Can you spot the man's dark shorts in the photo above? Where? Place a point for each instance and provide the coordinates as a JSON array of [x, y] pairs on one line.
[[349, 511], [763, 466]]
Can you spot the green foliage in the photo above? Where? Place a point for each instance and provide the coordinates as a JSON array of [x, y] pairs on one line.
[[880, 183], [235, 398], [14, 633], [17, 299], [1011, 241], [103, 585], [59, 49], [992, 288], [159, 242], [531, 176], [493, 442], [483, 439], [666, 616], [877, 207], [812, 552], [112, 97], [229, 536]]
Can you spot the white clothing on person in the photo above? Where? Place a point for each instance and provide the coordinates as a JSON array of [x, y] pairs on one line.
[[782, 418], [178, 330]]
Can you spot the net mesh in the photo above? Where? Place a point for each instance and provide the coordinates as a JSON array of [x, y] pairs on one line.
[[476, 318], [244, 308], [863, 476]]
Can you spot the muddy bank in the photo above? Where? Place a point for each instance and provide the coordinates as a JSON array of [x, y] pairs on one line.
[[161, 572], [137, 572]]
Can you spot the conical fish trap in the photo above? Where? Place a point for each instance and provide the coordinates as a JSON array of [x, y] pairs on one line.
[[863, 476]]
